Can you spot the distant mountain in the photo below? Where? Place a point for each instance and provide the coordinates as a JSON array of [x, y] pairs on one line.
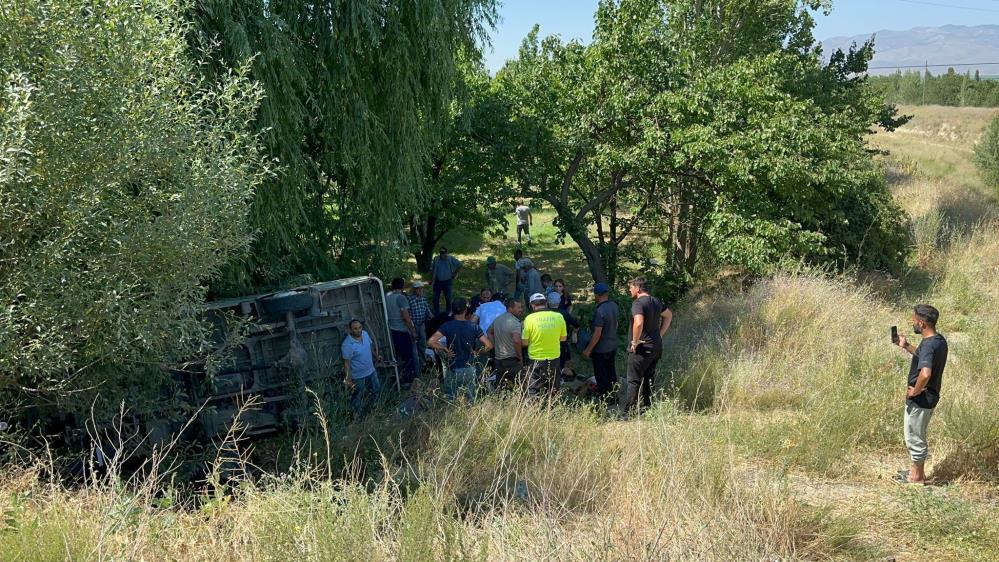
[[948, 45]]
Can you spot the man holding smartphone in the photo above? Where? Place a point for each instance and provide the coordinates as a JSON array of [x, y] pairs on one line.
[[923, 389]]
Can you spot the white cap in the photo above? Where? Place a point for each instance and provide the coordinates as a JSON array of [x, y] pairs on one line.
[[554, 299], [537, 297], [419, 284]]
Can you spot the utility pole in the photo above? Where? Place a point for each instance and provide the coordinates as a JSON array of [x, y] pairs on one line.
[[926, 78]]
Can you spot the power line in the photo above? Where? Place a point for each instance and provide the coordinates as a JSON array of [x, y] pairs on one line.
[[932, 65], [939, 5]]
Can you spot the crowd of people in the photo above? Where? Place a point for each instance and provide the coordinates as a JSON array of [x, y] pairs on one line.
[[515, 334]]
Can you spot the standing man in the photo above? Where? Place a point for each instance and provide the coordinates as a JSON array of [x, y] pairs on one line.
[[463, 339], [505, 335], [532, 278], [650, 320], [401, 327], [520, 272], [543, 333], [923, 390], [359, 354], [419, 312], [499, 278], [603, 345], [524, 221], [445, 270]]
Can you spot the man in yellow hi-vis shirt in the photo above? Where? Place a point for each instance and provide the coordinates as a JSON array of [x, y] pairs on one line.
[[542, 335]]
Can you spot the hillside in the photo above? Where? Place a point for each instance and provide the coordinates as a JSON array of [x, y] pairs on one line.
[[948, 44]]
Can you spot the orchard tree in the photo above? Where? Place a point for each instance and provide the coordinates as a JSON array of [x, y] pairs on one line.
[[712, 125], [125, 184]]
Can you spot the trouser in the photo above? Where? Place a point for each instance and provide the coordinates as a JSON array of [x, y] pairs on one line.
[[402, 343], [543, 377], [420, 348], [463, 381], [525, 229], [508, 372], [605, 371], [366, 391], [641, 376], [442, 287], [917, 420]]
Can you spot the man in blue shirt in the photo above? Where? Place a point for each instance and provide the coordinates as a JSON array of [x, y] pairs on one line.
[[445, 270], [464, 339], [360, 354]]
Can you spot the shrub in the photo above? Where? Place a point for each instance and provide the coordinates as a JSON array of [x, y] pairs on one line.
[[987, 155], [124, 184]]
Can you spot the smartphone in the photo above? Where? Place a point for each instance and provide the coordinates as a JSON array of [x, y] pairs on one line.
[[894, 335]]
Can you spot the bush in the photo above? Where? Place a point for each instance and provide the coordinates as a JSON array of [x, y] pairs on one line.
[[987, 155], [124, 184]]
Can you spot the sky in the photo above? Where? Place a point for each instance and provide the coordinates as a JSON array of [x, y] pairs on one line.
[[573, 19]]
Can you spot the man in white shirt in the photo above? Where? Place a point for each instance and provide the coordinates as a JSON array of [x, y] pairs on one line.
[[524, 221]]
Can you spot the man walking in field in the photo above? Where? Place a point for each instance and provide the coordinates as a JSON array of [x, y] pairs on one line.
[[444, 269], [543, 333], [650, 319], [603, 344], [524, 222], [923, 389]]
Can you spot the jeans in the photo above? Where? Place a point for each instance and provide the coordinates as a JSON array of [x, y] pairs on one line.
[[543, 377], [464, 379], [641, 376], [917, 420], [420, 348], [366, 391], [605, 372], [445, 288], [402, 343]]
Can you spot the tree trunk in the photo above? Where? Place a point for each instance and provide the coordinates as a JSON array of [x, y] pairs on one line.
[[428, 237], [577, 231]]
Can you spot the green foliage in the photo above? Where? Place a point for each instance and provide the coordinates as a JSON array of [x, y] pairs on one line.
[[987, 155], [951, 88], [124, 187], [358, 95], [468, 185], [714, 124]]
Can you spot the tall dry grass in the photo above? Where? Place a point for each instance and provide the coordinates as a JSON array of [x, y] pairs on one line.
[[781, 419]]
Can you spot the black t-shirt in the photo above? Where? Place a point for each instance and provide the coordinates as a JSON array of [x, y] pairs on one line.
[[932, 353], [651, 310]]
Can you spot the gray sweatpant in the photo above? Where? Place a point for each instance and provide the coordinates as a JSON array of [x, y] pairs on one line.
[[916, 422]]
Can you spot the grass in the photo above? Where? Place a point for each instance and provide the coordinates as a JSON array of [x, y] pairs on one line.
[[775, 441]]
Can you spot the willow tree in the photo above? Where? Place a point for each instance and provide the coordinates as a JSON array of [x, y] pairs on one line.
[[357, 95]]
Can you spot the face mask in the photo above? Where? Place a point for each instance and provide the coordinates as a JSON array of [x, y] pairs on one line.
[[917, 328]]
